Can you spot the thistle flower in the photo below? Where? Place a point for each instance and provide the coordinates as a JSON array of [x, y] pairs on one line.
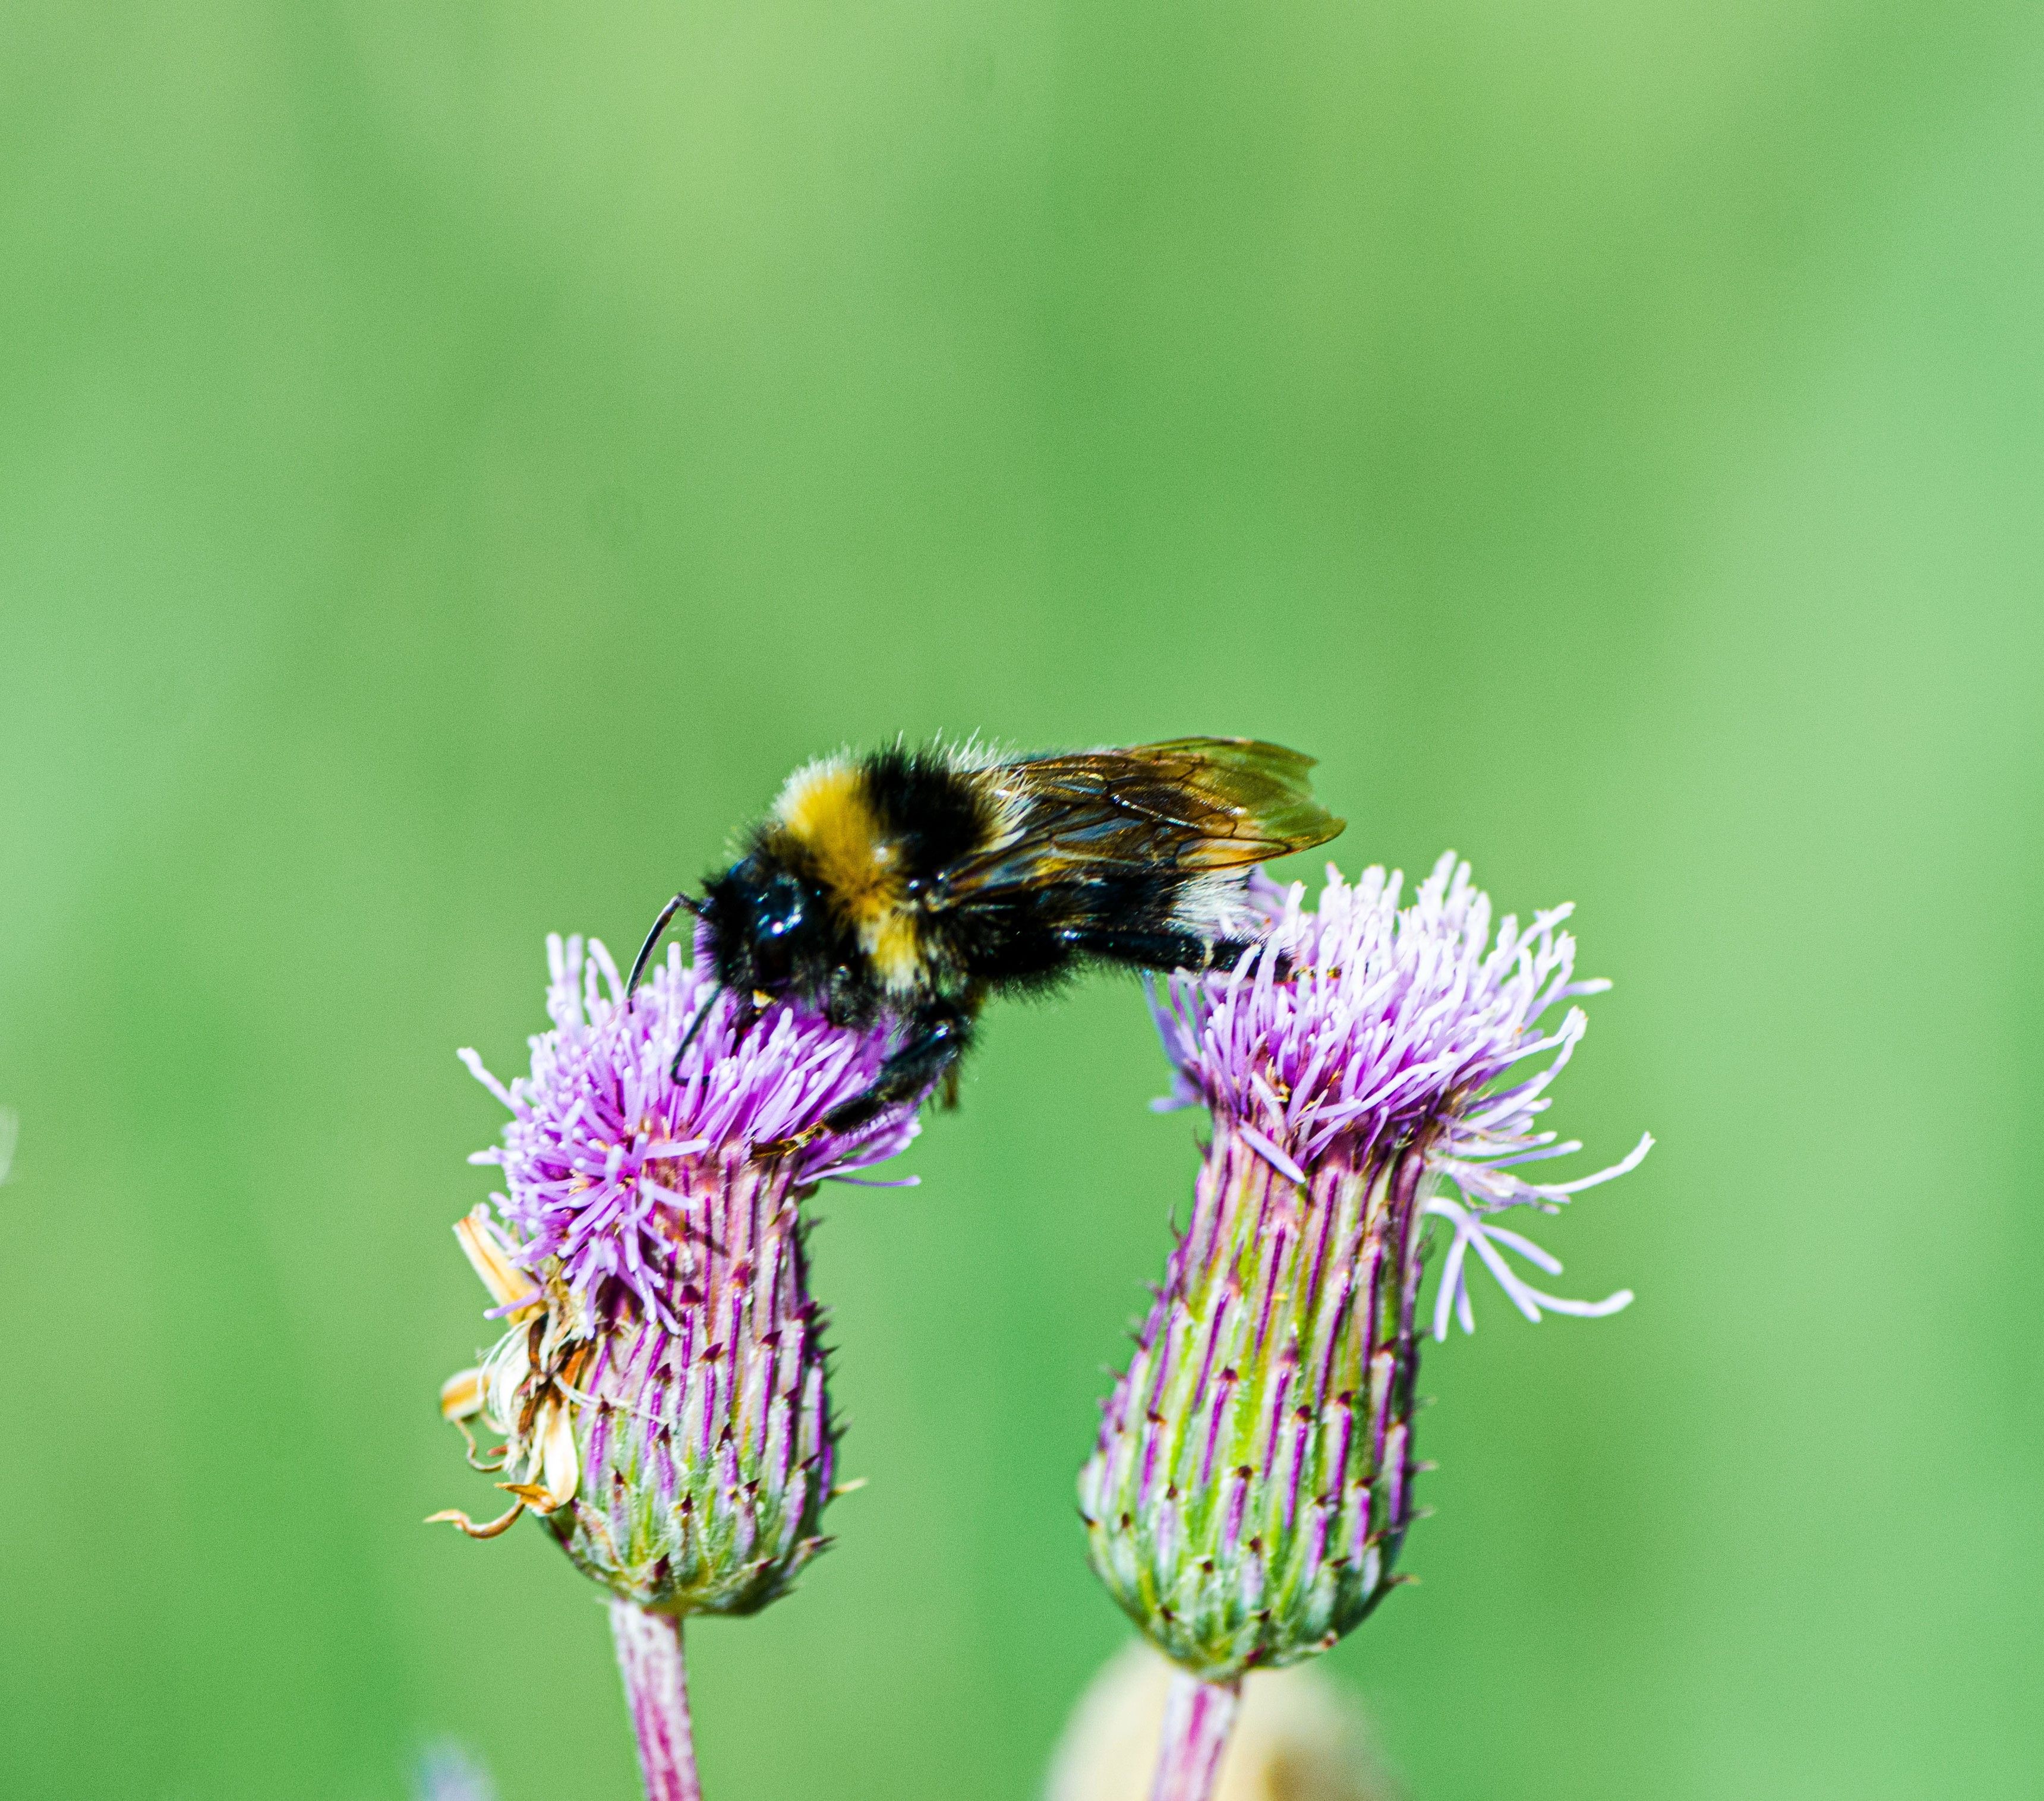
[[660, 1386], [1252, 1481]]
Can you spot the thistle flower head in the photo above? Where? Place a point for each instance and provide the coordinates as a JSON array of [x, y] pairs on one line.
[[1252, 1481], [660, 1385], [601, 1132]]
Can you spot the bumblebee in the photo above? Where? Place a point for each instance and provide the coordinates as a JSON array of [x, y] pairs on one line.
[[914, 883]]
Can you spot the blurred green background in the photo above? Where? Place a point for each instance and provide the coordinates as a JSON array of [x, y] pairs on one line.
[[455, 459]]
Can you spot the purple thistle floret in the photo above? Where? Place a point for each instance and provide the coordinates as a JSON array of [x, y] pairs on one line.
[[1253, 1478], [599, 1131], [660, 1383], [1389, 1026]]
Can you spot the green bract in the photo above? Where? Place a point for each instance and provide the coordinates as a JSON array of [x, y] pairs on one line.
[[1252, 1480]]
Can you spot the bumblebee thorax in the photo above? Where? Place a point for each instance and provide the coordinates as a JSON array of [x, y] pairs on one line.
[[826, 823]]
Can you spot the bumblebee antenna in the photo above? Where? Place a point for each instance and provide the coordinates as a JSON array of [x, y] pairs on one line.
[[689, 1037], [659, 929]]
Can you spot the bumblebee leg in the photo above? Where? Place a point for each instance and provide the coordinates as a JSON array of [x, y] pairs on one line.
[[1144, 950], [1226, 952], [1162, 949], [939, 1035]]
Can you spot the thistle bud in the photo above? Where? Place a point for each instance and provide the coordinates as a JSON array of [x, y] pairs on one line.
[[660, 1388], [1298, 1737], [1252, 1482]]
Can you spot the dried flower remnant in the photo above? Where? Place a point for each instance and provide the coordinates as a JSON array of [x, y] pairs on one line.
[[659, 1388], [1252, 1482]]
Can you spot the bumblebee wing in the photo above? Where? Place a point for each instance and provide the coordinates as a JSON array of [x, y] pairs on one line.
[[1190, 804]]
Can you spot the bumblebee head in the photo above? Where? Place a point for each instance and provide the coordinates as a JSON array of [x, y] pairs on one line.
[[764, 926]]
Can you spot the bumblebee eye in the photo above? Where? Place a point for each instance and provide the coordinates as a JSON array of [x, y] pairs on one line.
[[777, 918], [781, 908]]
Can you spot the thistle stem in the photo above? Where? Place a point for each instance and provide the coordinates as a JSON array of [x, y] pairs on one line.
[[656, 1687], [1197, 1719]]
